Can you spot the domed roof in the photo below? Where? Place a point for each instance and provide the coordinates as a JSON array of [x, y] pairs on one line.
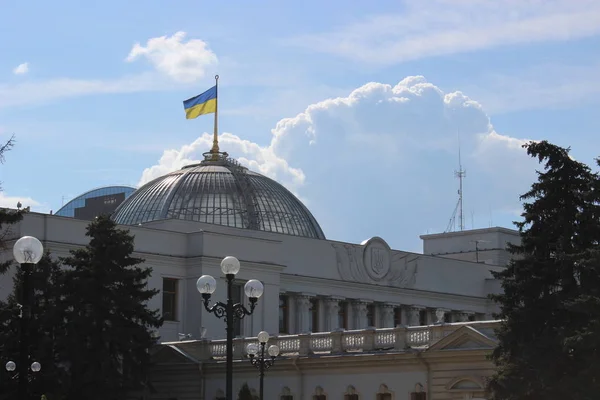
[[220, 191]]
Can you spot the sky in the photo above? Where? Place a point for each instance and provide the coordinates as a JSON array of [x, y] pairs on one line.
[[357, 108]]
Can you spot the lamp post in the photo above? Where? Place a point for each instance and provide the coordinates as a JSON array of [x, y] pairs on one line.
[[207, 285], [27, 251], [261, 362]]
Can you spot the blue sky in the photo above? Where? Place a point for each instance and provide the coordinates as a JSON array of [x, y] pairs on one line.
[[354, 107]]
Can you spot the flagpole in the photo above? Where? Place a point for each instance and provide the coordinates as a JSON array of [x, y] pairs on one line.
[[215, 147]]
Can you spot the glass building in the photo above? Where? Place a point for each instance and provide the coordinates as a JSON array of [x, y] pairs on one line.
[[89, 205]]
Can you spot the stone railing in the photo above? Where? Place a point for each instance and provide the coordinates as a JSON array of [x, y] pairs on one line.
[[364, 340]]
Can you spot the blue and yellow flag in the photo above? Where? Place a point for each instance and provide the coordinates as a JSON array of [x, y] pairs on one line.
[[205, 103]]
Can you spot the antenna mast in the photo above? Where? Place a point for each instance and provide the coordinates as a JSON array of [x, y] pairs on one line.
[[458, 209], [460, 174]]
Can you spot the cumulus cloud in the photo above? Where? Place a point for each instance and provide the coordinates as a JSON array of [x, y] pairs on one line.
[[441, 27], [185, 61], [11, 201], [380, 161], [21, 69]]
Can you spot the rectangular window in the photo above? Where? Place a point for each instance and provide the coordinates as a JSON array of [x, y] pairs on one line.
[[370, 315], [343, 315], [397, 316], [423, 317], [169, 299], [384, 396], [314, 315], [319, 397], [351, 397], [236, 296], [448, 317], [418, 396], [283, 313]]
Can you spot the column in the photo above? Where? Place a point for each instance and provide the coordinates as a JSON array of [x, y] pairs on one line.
[[387, 315], [302, 313], [332, 309], [359, 308], [413, 315], [463, 316]]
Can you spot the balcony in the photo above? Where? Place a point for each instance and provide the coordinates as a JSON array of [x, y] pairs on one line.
[[338, 342]]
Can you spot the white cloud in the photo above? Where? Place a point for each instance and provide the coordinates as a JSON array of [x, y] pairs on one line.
[[21, 69], [36, 92], [11, 201], [380, 161], [171, 55], [441, 27]]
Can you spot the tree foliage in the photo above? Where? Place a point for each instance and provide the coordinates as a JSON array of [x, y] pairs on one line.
[[108, 333], [90, 327], [549, 340], [46, 324], [7, 217]]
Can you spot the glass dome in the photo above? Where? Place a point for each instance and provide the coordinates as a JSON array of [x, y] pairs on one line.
[[220, 192]]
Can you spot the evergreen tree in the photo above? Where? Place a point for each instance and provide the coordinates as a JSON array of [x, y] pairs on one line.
[[550, 306], [245, 393], [108, 334], [7, 217], [46, 324]]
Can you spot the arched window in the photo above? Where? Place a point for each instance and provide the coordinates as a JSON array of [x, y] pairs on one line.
[[384, 393], [319, 394], [471, 387], [286, 394], [351, 393], [419, 393]]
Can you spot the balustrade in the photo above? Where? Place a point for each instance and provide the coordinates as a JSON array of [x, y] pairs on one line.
[[336, 342]]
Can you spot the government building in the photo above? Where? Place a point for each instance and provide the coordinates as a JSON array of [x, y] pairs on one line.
[[353, 320]]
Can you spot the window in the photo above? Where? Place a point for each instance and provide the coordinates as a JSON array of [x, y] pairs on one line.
[[169, 300], [319, 397], [397, 316], [423, 317], [286, 397], [283, 313], [448, 317], [314, 313], [350, 397], [343, 315], [418, 396], [236, 296], [371, 315], [384, 396]]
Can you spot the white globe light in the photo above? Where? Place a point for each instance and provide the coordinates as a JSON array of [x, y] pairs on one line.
[[252, 349], [206, 284], [11, 366], [254, 288], [263, 337], [36, 366], [28, 250], [273, 350], [230, 265]]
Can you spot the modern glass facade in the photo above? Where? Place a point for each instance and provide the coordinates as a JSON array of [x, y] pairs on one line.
[[89, 205], [220, 193]]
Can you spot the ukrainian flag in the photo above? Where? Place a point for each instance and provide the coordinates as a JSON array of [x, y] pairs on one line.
[[205, 103]]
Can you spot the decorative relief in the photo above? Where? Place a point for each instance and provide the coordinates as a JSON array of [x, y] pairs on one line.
[[374, 262]]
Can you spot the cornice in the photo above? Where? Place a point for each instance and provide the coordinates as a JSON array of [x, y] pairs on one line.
[[327, 283]]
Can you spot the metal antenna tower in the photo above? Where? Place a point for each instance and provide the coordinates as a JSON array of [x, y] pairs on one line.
[[460, 174]]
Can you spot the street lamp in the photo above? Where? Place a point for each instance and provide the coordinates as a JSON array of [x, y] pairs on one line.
[[11, 366], [207, 285], [27, 251], [261, 362]]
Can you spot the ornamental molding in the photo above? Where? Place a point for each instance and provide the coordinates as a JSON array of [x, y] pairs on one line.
[[374, 262]]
